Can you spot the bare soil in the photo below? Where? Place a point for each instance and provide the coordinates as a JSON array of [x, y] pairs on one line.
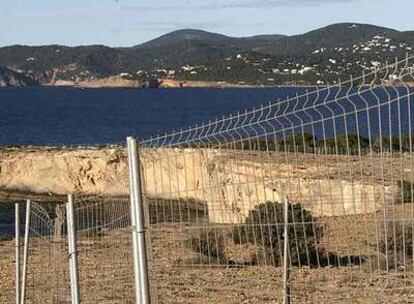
[[180, 275]]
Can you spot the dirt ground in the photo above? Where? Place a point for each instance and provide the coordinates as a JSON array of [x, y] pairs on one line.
[[7, 263], [178, 276]]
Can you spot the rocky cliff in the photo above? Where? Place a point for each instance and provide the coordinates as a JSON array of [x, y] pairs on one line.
[[230, 182], [10, 78]]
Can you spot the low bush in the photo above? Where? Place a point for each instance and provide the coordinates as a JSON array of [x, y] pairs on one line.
[[208, 241], [398, 239], [89, 233], [264, 227], [407, 189], [176, 211], [263, 231], [395, 247]]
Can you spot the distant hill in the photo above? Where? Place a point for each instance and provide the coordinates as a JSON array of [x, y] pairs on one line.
[[319, 56], [210, 39], [191, 47], [173, 49], [336, 35], [101, 60]]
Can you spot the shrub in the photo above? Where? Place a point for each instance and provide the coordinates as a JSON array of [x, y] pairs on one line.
[[89, 232], [344, 142], [395, 247], [393, 144], [399, 239], [264, 227], [208, 241], [175, 211], [407, 189], [298, 142]]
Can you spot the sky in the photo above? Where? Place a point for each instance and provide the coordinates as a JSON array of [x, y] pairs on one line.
[[131, 22]]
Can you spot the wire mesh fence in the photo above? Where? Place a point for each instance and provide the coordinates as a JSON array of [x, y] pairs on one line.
[[47, 269], [306, 200], [7, 249], [104, 249], [342, 158]]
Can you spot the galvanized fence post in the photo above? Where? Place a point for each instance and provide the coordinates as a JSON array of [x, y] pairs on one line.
[[138, 225], [17, 236], [25, 253], [286, 290], [73, 258]]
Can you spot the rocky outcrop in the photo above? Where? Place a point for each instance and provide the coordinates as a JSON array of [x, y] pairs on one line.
[[10, 78], [96, 83], [63, 171], [230, 182], [234, 182], [172, 83]]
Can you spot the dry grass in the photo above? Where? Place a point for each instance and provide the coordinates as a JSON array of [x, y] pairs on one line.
[[180, 275], [106, 275]]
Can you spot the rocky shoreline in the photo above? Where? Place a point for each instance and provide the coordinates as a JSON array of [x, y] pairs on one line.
[[10, 78]]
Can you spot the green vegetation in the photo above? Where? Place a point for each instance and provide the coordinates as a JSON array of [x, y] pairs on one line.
[[173, 210], [264, 227], [208, 241], [317, 57], [397, 245], [342, 144], [407, 190], [89, 233], [394, 143]]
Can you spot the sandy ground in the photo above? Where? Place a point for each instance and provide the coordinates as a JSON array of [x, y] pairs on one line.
[[7, 264], [179, 276]]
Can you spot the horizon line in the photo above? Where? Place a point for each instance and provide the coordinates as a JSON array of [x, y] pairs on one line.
[[201, 30]]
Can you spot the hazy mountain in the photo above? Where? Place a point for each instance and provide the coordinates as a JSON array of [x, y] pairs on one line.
[[217, 56], [336, 35], [173, 49], [193, 47]]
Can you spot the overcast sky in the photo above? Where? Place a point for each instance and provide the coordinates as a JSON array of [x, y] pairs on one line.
[[130, 22]]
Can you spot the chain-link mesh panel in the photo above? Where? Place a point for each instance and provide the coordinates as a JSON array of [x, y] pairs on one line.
[[104, 249], [47, 264], [337, 159], [7, 253]]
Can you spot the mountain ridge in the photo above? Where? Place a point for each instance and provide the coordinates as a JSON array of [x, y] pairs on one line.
[[191, 54]]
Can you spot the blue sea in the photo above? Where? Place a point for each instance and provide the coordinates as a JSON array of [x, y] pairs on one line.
[[70, 116]]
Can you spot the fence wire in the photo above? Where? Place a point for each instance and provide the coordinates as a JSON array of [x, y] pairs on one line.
[[342, 157], [332, 167], [104, 249], [47, 267], [7, 249]]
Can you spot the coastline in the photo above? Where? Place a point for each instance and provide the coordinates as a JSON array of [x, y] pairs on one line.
[[122, 83], [116, 82]]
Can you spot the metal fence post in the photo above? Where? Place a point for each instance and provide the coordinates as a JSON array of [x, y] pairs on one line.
[[73, 259], [17, 236], [137, 223], [25, 253], [286, 291], [133, 225]]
